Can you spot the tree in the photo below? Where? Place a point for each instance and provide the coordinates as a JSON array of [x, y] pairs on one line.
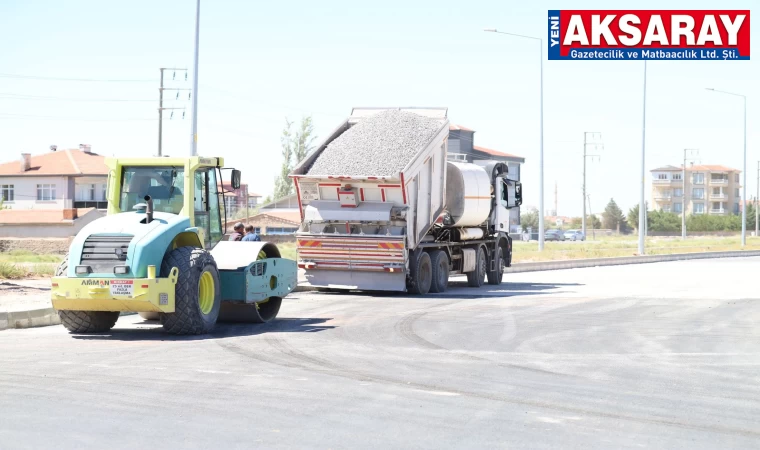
[[633, 216], [663, 221], [295, 147], [593, 223], [750, 217], [612, 217], [576, 222], [529, 220]]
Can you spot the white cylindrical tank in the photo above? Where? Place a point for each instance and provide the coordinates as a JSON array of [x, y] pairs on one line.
[[468, 194], [469, 234]]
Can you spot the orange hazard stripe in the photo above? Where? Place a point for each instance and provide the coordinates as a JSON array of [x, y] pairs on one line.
[[309, 244], [391, 245]]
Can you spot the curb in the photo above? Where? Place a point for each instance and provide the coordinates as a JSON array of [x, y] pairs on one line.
[[29, 319], [624, 260], [601, 262]]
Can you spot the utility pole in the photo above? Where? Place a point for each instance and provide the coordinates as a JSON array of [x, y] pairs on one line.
[[161, 108], [593, 229], [594, 135], [756, 197], [688, 155], [556, 211]]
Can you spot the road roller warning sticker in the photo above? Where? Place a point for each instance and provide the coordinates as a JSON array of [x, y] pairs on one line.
[[121, 287]]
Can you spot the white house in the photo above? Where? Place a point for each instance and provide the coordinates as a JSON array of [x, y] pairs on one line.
[[61, 185]]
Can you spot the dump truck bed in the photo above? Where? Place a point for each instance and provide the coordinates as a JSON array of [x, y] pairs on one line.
[[412, 197]]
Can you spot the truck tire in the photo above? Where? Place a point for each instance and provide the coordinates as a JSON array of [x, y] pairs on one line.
[[197, 297], [495, 276], [422, 273], [84, 321], [476, 278], [440, 263]]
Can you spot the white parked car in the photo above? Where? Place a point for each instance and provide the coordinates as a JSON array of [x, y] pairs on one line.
[[574, 235]]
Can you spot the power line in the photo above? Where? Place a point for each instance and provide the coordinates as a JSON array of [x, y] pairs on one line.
[[9, 96], [76, 119], [86, 80]]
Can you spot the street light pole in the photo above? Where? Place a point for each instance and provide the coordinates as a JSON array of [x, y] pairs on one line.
[[642, 202], [541, 128], [194, 142], [744, 169], [757, 195]]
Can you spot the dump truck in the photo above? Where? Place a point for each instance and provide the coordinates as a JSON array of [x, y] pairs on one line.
[[410, 227], [159, 251]]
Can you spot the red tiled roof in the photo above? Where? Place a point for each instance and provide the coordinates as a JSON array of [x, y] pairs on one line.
[[706, 167], [712, 168], [36, 216], [251, 194], [62, 162], [493, 152], [453, 127]]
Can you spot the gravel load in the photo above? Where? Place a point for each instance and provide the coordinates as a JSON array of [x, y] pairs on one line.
[[380, 145]]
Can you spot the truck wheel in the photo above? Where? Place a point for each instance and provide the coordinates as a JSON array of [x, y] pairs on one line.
[[440, 264], [84, 321], [422, 273], [197, 292], [495, 276], [476, 278]]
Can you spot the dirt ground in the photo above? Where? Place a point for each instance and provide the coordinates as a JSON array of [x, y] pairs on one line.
[[20, 295]]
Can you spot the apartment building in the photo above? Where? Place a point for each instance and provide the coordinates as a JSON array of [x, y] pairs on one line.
[[706, 189]]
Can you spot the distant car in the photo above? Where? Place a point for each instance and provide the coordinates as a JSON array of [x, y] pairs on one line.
[[574, 235], [554, 235]]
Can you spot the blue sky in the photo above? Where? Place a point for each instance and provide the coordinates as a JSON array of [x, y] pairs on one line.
[[261, 62]]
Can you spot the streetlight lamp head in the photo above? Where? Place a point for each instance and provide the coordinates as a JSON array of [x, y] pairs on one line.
[[490, 30]]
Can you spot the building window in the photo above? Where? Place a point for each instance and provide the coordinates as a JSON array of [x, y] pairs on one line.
[[736, 193], [257, 230], [698, 193], [699, 178], [104, 192], [662, 176], [666, 208], [45, 192], [281, 230], [736, 177], [7, 192], [699, 208], [736, 208], [677, 176], [678, 192], [677, 207], [719, 177]]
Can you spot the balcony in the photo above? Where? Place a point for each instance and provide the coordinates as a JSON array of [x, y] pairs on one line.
[[659, 181], [663, 197], [719, 181], [717, 212], [718, 196]]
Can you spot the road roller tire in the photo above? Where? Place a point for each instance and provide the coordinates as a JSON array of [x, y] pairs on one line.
[[261, 312], [84, 321], [198, 297]]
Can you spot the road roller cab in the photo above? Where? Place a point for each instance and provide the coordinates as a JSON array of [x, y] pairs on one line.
[[159, 252]]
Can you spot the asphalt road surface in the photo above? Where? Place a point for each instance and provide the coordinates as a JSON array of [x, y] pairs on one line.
[[658, 355]]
